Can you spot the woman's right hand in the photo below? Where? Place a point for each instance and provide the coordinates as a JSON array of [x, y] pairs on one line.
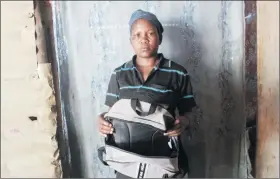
[[104, 126]]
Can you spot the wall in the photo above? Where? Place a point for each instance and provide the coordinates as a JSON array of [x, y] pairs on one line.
[[206, 37], [28, 126]]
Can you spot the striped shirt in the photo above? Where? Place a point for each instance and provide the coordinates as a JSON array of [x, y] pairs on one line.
[[168, 84]]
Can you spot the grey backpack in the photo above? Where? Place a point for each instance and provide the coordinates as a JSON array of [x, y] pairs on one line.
[[138, 148]]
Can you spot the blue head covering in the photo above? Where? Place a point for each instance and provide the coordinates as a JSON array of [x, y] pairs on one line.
[[140, 14]]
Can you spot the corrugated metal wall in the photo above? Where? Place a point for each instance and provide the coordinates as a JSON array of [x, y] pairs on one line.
[[92, 38]]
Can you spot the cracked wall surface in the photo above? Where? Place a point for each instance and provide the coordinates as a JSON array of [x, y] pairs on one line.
[[28, 123], [92, 38]]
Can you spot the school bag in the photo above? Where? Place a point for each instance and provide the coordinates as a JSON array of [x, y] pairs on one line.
[[137, 148]]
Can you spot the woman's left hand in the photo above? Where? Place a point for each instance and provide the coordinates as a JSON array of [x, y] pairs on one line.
[[181, 123]]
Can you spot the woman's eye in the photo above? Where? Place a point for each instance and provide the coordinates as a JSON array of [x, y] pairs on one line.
[[136, 35]]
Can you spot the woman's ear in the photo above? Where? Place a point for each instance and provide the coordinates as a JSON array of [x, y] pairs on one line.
[[160, 39], [159, 42]]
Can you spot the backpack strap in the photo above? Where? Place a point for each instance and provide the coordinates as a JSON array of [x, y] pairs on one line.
[[101, 151], [135, 103]]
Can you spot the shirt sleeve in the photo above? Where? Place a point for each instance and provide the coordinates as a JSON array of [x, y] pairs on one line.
[[112, 94], [186, 98]]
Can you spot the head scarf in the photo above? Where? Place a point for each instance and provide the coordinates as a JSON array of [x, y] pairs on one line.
[[140, 14]]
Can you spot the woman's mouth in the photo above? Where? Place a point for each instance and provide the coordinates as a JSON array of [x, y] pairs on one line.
[[145, 48]]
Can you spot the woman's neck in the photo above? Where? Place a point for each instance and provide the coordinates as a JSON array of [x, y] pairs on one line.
[[146, 62]]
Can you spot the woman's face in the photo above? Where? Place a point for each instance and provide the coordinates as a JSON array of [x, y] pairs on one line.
[[144, 38]]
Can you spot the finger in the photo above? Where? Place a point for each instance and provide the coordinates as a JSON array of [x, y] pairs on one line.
[[177, 121], [176, 127], [105, 127], [102, 121], [106, 131], [105, 123], [174, 133]]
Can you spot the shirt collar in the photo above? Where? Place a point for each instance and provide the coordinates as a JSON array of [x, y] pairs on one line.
[[132, 63]]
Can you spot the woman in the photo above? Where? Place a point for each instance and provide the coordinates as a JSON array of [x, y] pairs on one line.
[[149, 76]]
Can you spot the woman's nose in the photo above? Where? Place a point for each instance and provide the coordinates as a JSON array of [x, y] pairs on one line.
[[144, 39]]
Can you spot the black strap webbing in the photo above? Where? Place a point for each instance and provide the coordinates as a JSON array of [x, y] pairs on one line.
[[135, 103], [101, 151]]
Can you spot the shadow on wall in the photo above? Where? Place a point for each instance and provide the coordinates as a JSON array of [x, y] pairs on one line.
[[73, 140], [211, 136], [190, 58]]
